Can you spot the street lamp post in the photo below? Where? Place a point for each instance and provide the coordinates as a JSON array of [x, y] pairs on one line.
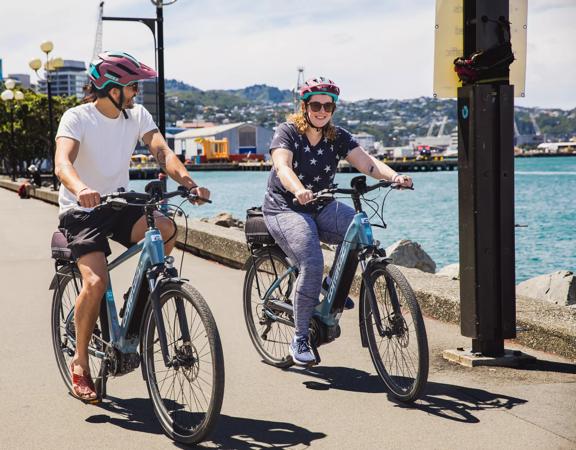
[[9, 96], [50, 66], [158, 33]]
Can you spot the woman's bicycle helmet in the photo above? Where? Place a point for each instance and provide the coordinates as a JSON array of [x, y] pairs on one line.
[[319, 85]]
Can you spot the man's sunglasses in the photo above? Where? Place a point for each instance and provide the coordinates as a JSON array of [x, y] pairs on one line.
[[317, 106], [133, 86]]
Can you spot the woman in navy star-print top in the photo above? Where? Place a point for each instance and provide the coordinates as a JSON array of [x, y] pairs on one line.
[[305, 151]]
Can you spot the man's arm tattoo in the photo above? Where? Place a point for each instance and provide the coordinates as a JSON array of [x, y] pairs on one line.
[[161, 158], [371, 169]]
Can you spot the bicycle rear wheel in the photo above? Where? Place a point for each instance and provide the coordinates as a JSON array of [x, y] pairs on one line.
[[187, 396], [270, 337], [66, 290], [400, 350]]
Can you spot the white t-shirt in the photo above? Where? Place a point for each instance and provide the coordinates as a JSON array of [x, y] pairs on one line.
[[106, 145]]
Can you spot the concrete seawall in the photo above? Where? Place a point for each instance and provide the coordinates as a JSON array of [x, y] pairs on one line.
[[542, 326]]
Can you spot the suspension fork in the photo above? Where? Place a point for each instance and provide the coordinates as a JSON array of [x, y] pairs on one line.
[[181, 312], [155, 289], [374, 303]]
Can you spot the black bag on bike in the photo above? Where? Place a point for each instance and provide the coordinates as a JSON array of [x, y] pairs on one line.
[[255, 228]]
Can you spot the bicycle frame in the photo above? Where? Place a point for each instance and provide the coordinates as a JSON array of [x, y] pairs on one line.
[[149, 266], [358, 238]]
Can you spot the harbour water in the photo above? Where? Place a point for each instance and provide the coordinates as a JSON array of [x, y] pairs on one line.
[[545, 202]]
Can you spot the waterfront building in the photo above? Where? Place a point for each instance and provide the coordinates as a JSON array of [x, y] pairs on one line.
[[243, 139], [366, 141], [67, 80], [22, 79], [147, 97], [196, 123]]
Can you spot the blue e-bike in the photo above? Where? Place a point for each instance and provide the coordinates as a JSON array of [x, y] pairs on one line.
[[164, 325], [391, 323]]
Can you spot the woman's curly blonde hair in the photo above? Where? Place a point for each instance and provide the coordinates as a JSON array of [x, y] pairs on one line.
[[299, 119]]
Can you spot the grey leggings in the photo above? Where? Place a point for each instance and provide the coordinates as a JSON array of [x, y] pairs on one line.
[[299, 235]]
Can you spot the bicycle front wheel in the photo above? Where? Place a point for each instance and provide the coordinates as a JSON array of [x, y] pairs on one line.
[[270, 328], [398, 345], [187, 396]]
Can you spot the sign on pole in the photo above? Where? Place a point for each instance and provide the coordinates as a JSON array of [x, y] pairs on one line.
[[448, 45]]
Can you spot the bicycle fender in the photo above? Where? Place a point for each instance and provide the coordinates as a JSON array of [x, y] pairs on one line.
[[66, 271], [378, 260]]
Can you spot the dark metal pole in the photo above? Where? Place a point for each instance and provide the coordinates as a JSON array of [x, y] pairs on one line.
[[161, 88], [51, 127], [13, 145], [486, 192]]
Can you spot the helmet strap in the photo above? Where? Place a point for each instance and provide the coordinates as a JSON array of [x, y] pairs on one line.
[[314, 126], [118, 105]]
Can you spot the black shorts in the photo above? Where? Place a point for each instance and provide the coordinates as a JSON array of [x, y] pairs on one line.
[[89, 231]]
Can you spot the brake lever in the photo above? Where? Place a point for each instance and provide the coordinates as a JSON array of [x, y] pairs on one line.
[[196, 197], [401, 188]]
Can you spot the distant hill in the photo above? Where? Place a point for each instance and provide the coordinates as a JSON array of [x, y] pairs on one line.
[[261, 93], [176, 85], [389, 120], [258, 93]]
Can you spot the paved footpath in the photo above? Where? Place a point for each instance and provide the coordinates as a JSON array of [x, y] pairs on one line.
[[339, 405]]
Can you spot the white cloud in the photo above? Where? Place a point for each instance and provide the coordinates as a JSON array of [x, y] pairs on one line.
[[380, 49]]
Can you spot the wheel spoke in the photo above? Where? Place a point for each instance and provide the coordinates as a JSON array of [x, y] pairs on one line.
[[185, 392], [401, 356]]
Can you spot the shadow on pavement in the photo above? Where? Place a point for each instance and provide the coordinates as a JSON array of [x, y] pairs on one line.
[[248, 434], [447, 401], [137, 414], [549, 366], [458, 403], [342, 378], [230, 432]]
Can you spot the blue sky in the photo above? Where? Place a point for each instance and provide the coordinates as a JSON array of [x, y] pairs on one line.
[[372, 48]]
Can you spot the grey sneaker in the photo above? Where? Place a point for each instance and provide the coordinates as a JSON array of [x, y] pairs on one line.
[[300, 351]]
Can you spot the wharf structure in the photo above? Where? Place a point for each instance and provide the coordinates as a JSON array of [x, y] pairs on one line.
[[402, 165], [243, 140]]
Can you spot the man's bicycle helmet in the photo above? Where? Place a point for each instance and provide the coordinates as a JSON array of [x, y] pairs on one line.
[[319, 85], [117, 69]]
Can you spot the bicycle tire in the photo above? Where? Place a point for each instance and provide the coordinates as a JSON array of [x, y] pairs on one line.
[[404, 382], [62, 325], [273, 351], [204, 334]]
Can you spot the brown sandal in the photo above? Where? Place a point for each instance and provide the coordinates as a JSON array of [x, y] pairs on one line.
[[82, 386]]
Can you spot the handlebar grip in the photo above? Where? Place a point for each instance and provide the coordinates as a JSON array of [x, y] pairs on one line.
[[205, 200]]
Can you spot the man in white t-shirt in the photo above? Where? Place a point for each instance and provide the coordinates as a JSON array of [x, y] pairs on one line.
[[94, 144]]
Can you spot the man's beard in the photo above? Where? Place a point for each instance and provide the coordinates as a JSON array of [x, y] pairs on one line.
[[129, 104]]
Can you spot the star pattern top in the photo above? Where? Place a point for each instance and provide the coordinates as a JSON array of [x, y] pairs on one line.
[[314, 165]]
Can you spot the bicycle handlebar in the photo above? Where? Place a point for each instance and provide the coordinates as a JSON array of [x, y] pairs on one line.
[[330, 192], [151, 198], [147, 198]]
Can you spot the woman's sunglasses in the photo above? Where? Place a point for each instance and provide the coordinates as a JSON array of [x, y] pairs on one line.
[[317, 106]]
